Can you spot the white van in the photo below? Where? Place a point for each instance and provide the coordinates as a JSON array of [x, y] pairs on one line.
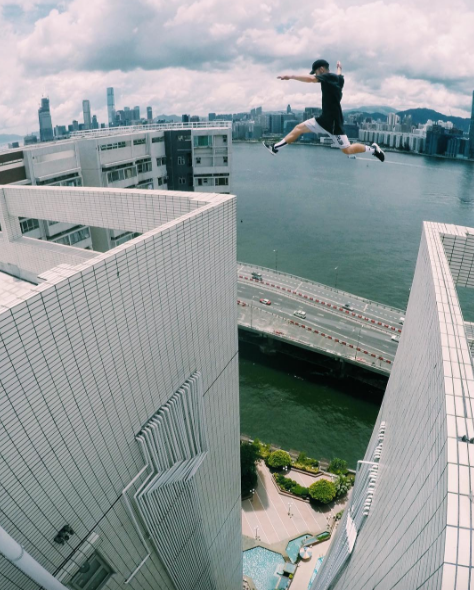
[[299, 313], [401, 320]]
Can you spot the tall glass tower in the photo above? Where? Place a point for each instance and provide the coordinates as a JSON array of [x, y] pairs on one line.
[[86, 109], [111, 106], [471, 130], [45, 123]]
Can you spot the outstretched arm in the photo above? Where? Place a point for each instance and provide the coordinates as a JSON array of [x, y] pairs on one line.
[[339, 68], [307, 78]]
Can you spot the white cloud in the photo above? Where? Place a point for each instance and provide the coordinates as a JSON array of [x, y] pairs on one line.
[[206, 55]]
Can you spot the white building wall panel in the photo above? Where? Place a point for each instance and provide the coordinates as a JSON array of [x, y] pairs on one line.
[[418, 531], [90, 357]]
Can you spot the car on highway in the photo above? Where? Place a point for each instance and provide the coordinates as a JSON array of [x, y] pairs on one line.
[[257, 276], [348, 306], [299, 313], [396, 338], [265, 301], [401, 320]]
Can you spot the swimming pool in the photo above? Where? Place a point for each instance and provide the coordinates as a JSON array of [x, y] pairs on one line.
[[294, 546], [316, 569], [261, 564]]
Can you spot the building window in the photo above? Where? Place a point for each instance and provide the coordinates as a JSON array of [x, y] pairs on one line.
[[139, 141], [114, 146], [157, 139], [222, 181], [28, 225], [198, 160], [181, 180], [50, 223], [121, 173], [72, 179], [203, 141], [93, 574], [145, 184], [160, 161], [143, 166], [224, 138], [181, 161], [74, 237], [226, 160]]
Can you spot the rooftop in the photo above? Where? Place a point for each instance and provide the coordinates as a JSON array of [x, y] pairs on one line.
[[13, 288]]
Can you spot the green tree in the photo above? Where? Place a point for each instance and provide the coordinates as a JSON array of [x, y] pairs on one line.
[[249, 456], [343, 485], [323, 491], [279, 459], [338, 466]]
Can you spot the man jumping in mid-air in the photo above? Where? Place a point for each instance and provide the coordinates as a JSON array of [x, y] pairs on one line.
[[331, 121]]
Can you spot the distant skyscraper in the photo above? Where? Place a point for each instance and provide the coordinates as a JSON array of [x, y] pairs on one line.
[[258, 111], [288, 109], [149, 114], [75, 125], [45, 123], [185, 118], [111, 106], [212, 116], [136, 113], [95, 123], [471, 130], [30, 139], [86, 109], [127, 115]]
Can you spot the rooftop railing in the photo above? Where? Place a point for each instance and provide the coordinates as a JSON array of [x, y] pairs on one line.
[[152, 127]]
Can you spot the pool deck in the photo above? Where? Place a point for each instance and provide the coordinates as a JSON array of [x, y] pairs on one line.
[[271, 520]]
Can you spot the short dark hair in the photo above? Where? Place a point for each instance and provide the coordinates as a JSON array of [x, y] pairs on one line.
[[319, 63]]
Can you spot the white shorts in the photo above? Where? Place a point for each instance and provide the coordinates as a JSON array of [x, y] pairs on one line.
[[339, 141]]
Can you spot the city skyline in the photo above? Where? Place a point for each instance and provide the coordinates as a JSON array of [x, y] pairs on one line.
[[193, 57]]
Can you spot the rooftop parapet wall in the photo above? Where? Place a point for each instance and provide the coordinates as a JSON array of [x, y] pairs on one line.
[[418, 532], [131, 210], [86, 360]]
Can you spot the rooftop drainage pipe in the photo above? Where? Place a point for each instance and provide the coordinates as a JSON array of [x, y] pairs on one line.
[[15, 553]]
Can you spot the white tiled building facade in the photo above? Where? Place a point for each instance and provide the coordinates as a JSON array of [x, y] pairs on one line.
[[188, 157], [410, 522], [119, 414]]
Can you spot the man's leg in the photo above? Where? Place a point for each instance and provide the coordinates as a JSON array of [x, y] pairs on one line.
[[290, 138], [359, 148]]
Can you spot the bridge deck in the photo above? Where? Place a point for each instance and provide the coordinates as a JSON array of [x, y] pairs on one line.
[[337, 323]]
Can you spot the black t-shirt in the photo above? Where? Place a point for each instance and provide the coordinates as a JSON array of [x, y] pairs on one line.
[[331, 119]]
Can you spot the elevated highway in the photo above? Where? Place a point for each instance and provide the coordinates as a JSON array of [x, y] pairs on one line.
[[337, 324]]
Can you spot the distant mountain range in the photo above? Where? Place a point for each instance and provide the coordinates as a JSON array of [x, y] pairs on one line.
[[377, 109], [418, 116], [5, 139]]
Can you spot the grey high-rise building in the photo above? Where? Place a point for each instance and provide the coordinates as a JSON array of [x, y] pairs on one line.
[[111, 106], [127, 115], [471, 130], [149, 114], [95, 123], [86, 109], [136, 113], [408, 522], [45, 123]]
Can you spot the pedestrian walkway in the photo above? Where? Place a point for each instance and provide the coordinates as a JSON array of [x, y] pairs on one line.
[[272, 520]]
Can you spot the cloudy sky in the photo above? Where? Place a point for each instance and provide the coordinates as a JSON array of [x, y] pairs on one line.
[[200, 56]]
